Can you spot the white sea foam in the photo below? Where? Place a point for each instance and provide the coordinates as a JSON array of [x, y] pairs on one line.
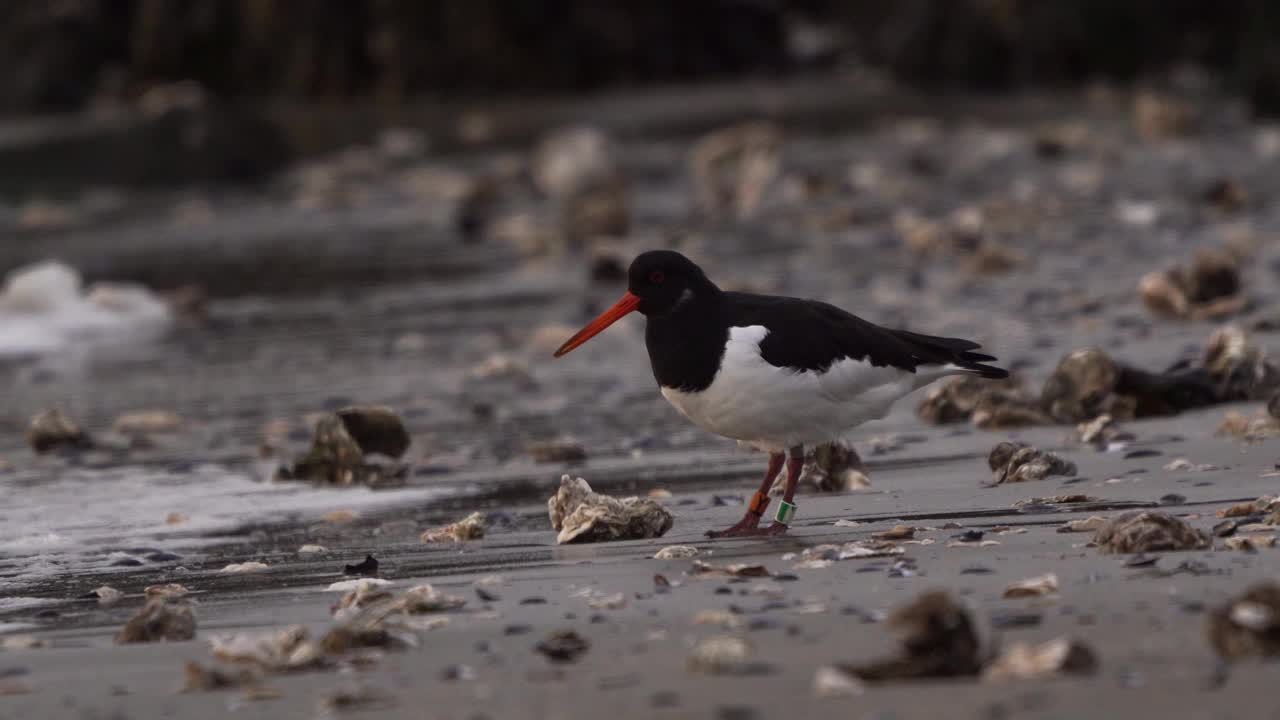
[[44, 307]]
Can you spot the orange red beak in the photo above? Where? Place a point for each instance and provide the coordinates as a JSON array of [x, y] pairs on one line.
[[627, 304]]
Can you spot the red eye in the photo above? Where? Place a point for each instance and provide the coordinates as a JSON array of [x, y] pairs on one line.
[[656, 277]]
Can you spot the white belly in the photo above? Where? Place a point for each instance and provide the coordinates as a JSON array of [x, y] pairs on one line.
[[776, 408]]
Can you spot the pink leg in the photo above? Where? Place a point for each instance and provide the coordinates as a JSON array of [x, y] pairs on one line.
[[795, 464], [749, 524]]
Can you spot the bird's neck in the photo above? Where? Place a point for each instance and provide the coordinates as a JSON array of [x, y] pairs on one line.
[[686, 345]]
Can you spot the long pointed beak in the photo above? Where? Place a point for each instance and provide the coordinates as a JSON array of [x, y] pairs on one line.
[[628, 303]]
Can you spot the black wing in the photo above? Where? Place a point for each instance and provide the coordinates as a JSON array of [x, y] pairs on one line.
[[812, 335]]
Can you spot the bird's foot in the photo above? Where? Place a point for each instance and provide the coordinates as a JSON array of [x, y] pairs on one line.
[[748, 525], [743, 529]]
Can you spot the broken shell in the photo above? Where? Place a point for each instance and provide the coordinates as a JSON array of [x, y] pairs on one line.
[[244, 567], [701, 569], [675, 552], [608, 602], [859, 549], [1013, 462], [1039, 586], [1060, 656], [1145, 532], [471, 527], [722, 618], [426, 599], [1089, 524], [22, 642], [169, 590], [106, 595], [897, 532], [1056, 500], [989, 404], [720, 654], [147, 422], [284, 650], [582, 515], [1249, 543], [831, 681]]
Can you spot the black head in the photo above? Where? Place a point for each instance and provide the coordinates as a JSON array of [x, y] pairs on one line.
[[658, 282], [665, 280]]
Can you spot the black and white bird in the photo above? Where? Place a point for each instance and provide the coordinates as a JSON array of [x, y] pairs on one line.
[[777, 373]]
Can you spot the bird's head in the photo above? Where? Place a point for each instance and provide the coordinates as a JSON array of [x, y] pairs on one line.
[[658, 283]]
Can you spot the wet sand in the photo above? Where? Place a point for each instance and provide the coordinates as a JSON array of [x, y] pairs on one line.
[[271, 356]]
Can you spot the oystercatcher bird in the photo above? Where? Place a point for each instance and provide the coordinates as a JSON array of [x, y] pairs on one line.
[[777, 373]]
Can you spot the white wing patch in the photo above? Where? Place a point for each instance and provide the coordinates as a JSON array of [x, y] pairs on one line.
[[775, 408]]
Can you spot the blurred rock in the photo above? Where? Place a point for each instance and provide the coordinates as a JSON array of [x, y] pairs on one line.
[[989, 404], [571, 160], [198, 678], [1148, 532], [53, 430], [1158, 117], [1248, 627], [159, 620], [562, 450], [597, 212], [581, 515], [341, 444], [1240, 368], [1088, 383], [832, 467], [1208, 288], [1226, 194], [478, 207], [1082, 387], [1242, 427], [377, 429], [937, 639], [564, 646], [732, 167]]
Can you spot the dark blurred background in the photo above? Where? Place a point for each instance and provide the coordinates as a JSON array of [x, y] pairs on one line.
[[71, 54]]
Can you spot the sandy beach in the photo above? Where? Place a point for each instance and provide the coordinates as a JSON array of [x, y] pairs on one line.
[[462, 350]]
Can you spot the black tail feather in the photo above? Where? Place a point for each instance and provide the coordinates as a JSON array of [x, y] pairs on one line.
[[955, 351]]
